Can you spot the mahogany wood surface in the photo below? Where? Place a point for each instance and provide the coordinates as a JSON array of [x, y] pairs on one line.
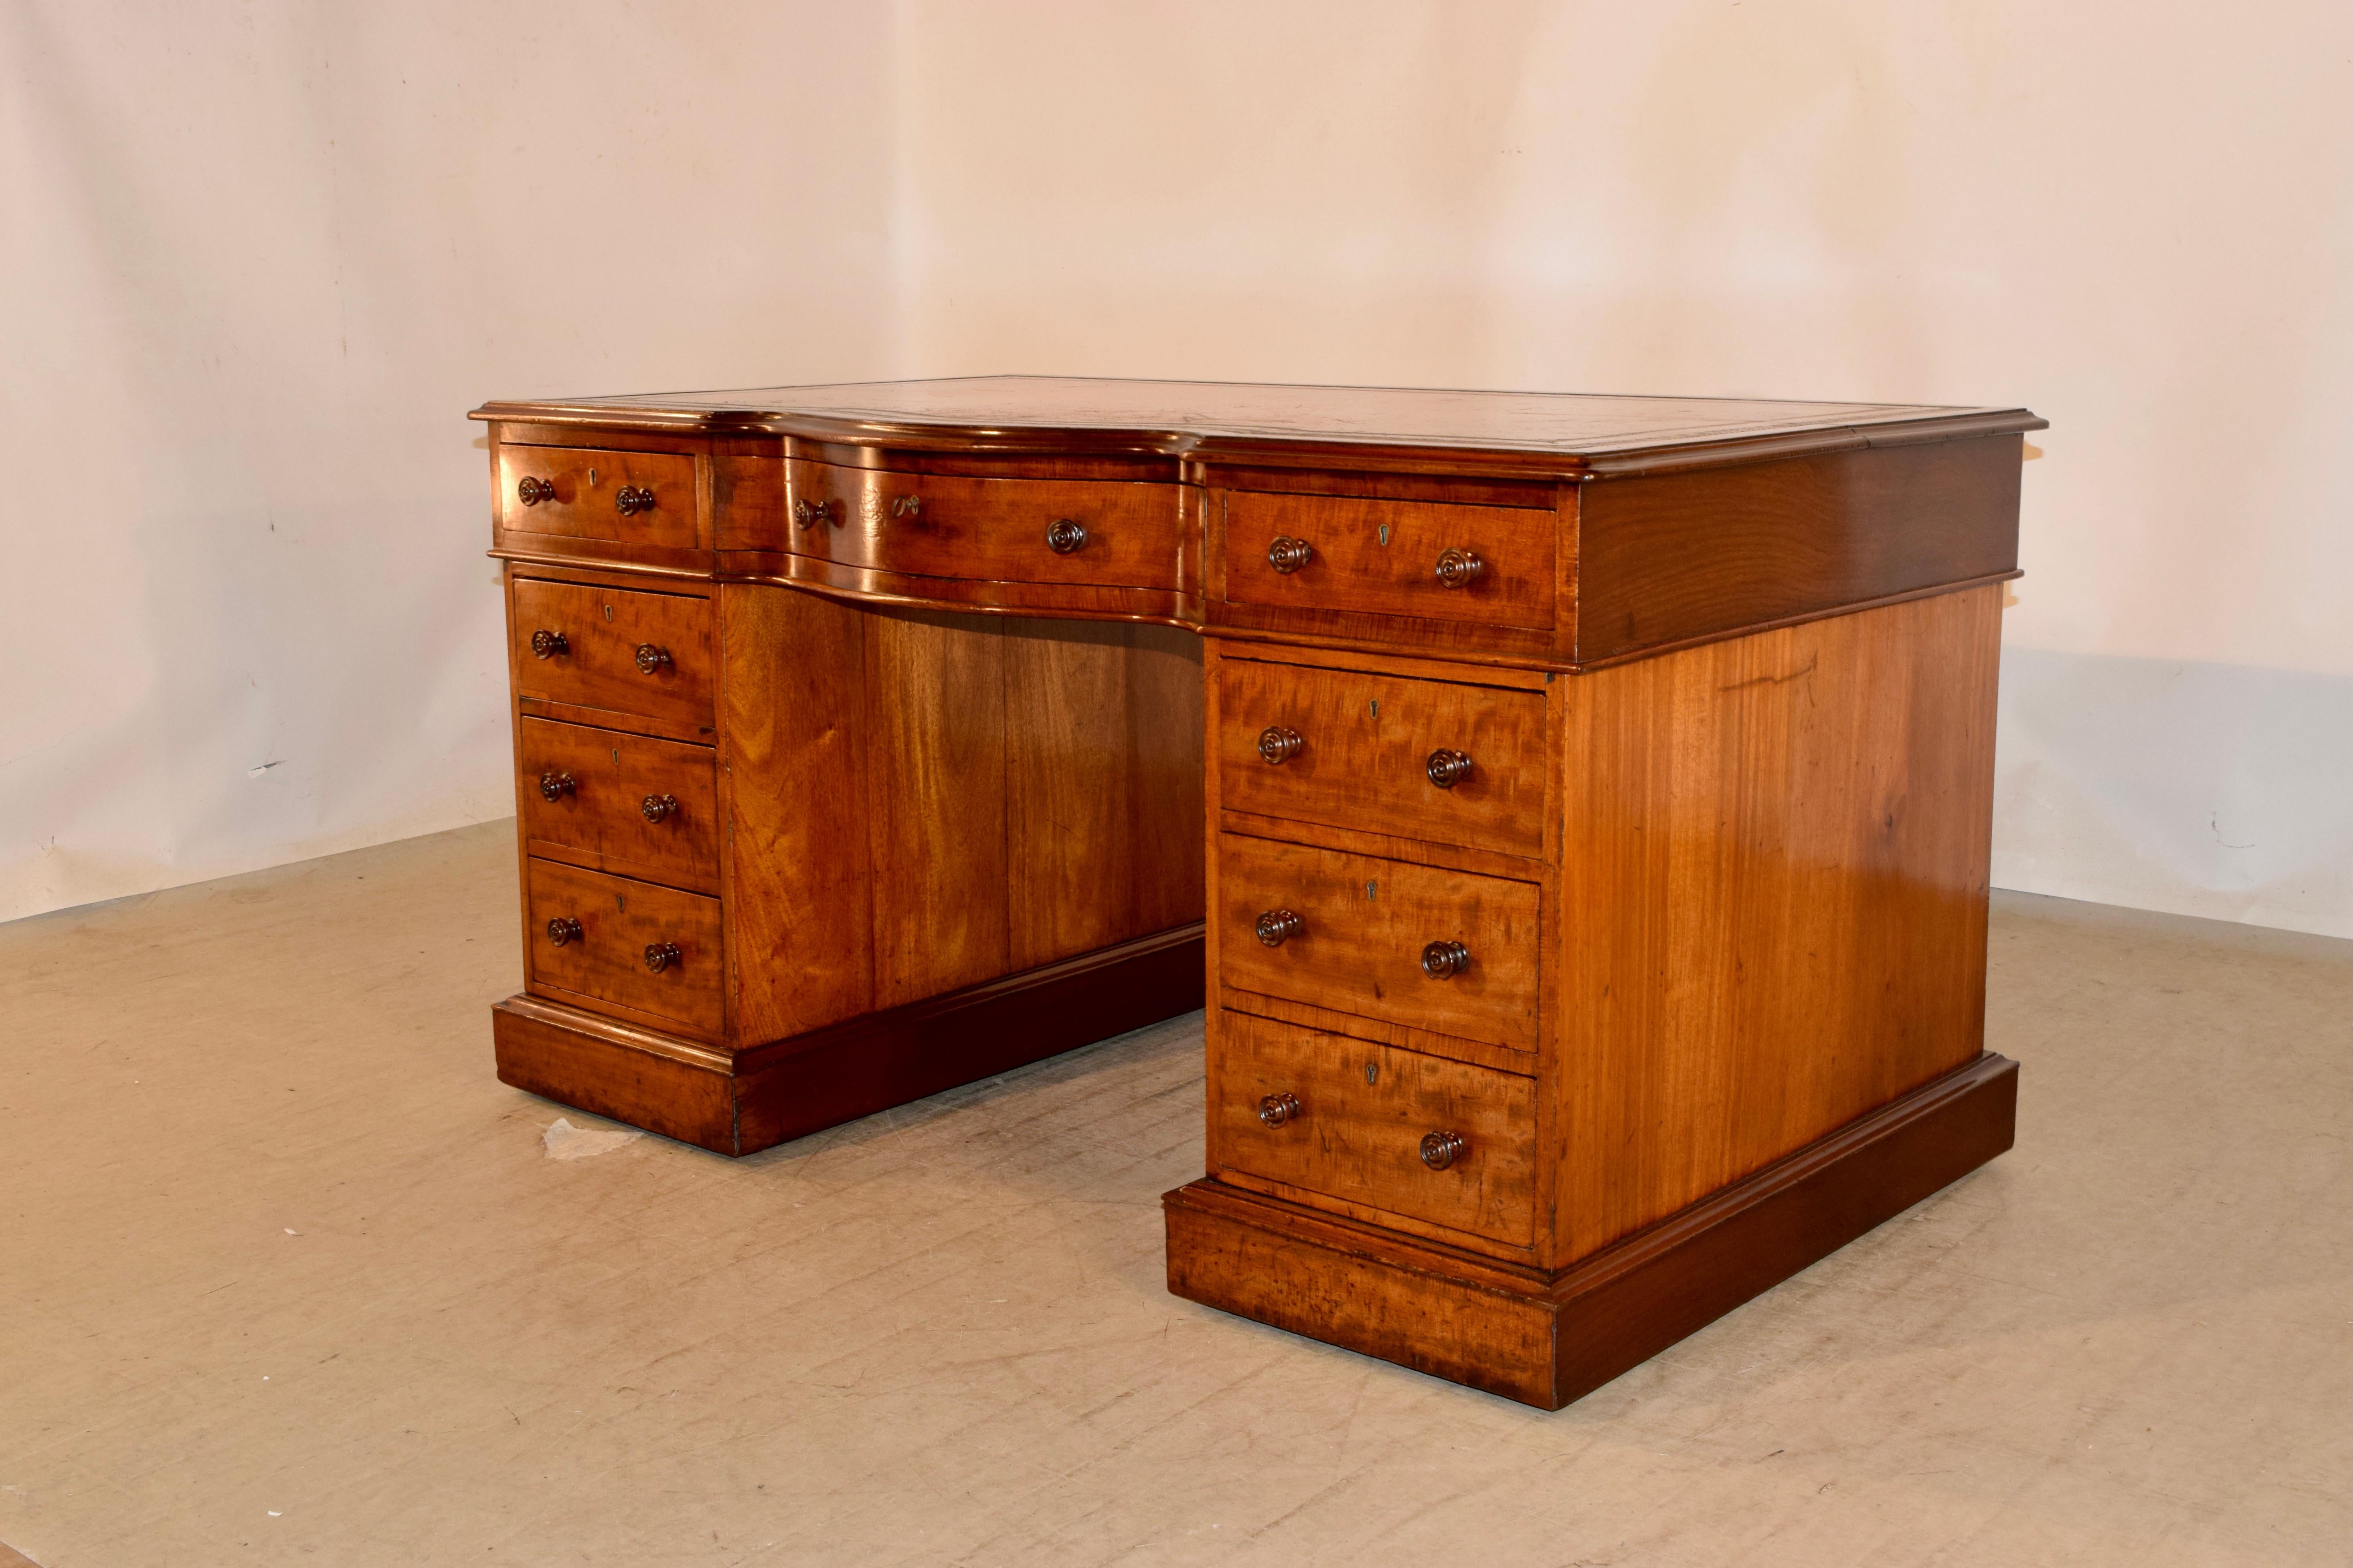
[[603, 629], [605, 961], [1381, 557], [598, 817], [572, 491]]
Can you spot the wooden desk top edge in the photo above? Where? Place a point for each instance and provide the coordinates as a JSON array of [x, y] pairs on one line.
[[1573, 436]]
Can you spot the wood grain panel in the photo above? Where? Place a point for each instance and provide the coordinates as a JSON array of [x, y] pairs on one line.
[[601, 821], [619, 918], [605, 627], [1103, 781], [1366, 923], [1381, 556], [800, 913], [934, 718], [1368, 741], [1773, 896], [1675, 556], [1364, 1110], [585, 482]]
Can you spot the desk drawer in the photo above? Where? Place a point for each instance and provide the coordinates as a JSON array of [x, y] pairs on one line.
[[619, 803], [1109, 532], [1363, 926], [618, 649], [604, 950], [578, 492], [1348, 749], [1383, 556], [1354, 1122]]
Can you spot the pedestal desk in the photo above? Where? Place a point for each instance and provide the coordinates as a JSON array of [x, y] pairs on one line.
[[1574, 810]]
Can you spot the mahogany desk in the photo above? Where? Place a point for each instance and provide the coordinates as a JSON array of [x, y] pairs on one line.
[[1596, 794]]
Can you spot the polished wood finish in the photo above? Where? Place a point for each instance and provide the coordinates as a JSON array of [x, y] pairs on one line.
[[1588, 797]]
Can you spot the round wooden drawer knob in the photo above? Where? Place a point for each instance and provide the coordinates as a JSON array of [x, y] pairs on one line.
[[1287, 554], [652, 660], [1277, 926], [1277, 1109], [1459, 568], [809, 513], [547, 645], [1446, 769], [631, 500], [1064, 537], [553, 786], [659, 807], [661, 956], [1278, 745], [1440, 1150], [563, 929], [1445, 959], [532, 491]]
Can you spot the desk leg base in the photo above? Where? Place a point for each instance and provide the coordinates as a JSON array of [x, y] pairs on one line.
[[1545, 1339], [740, 1102]]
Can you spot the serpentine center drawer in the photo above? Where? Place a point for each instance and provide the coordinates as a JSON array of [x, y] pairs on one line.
[[1444, 951], [1445, 562], [613, 649], [1434, 760], [1441, 1141], [1112, 534], [638, 947], [619, 803], [642, 497]]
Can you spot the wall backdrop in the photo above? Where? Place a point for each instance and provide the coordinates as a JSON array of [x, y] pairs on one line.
[[261, 257]]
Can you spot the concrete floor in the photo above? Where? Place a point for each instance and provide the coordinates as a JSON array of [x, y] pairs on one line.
[[287, 1276]]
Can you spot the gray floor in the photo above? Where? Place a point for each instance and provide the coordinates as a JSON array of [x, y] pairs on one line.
[[286, 1276]]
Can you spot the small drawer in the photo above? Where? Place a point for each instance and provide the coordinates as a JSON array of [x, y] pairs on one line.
[[1369, 936], [1347, 1119], [1105, 532], [634, 946], [1488, 564], [618, 803], [577, 492], [1432, 759], [618, 649]]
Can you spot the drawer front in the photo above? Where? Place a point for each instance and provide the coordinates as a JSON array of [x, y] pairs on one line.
[[617, 919], [1361, 1113], [619, 803], [642, 497], [1118, 534], [1369, 747], [624, 651], [1383, 556], [1363, 925]]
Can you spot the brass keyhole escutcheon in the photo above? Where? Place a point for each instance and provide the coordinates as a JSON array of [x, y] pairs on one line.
[[1372, 1072]]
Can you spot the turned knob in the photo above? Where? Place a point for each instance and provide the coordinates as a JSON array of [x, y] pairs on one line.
[[1459, 568], [1445, 959], [547, 645], [1277, 1109], [532, 491], [652, 660], [555, 786], [907, 506], [1287, 554], [1277, 926], [1440, 1150], [563, 929], [1064, 537], [1278, 745], [631, 500], [659, 807], [809, 513], [661, 956], [1446, 769]]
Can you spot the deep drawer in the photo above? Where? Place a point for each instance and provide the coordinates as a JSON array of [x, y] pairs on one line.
[[618, 649], [593, 939], [1385, 557], [1362, 929], [1112, 534], [577, 492], [624, 804], [1354, 1119], [1355, 749]]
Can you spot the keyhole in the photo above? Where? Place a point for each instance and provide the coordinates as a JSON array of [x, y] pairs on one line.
[[1385, 533], [609, 612], [1372, 1072], [620, 900], [616, 756], [1372, 889], [591, 479], [1377, 707]]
